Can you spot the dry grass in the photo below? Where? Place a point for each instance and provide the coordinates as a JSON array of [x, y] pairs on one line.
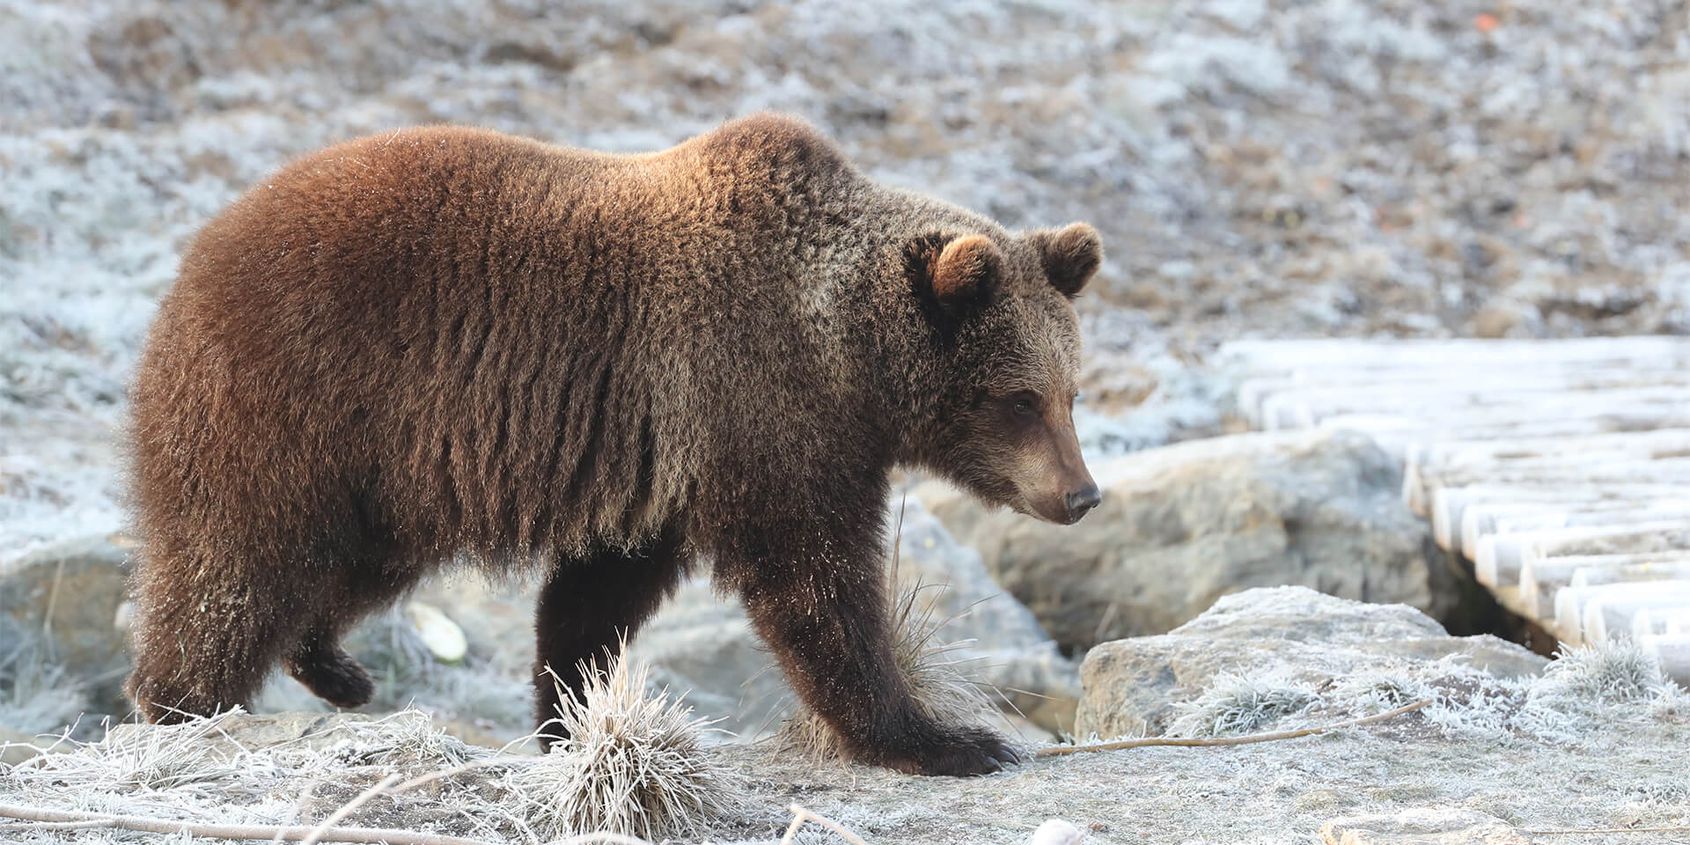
[[1238, 704], [634, 764], [161, 758], [1615, 673]]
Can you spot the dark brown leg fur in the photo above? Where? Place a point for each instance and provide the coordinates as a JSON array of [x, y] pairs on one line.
[[816, 595], [209, 630], [590, 605], [218, 614]]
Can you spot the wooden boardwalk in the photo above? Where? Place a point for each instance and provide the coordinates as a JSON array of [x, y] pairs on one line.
[[1560, 469]]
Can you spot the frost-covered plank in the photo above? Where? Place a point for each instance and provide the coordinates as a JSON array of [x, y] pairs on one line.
[[1526, 395], [1673, 652], [1654, 571], [1401, 434], [1511, 514], [1541, 577], [1608, 609], [1653, 444], [1268, 355], [1661, 621], [1450, 505], [1507, 525], [1501, 556], [1572, 605], [1572, 471]]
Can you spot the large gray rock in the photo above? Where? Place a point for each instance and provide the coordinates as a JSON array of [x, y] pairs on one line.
[[1137, 685], [1184, 525], [66, 597]]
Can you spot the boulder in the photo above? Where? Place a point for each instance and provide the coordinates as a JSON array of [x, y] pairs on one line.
[[1137, 685], [69, 593], [1183, 525]]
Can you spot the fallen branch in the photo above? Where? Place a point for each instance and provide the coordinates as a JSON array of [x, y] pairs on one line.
[[1581, 831], [801, 815], [1247, 739], [257, 833]]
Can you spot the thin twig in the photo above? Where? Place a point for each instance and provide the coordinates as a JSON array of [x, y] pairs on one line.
[[1579, 831], [53, 825], [792, 829], [1247, 739], [363, 835], [801, 815], [52, 604]]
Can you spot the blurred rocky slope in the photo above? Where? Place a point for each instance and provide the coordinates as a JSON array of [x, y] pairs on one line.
[[1257, 168]]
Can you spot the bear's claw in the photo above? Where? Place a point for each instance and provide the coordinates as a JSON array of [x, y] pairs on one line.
[[960, 753]]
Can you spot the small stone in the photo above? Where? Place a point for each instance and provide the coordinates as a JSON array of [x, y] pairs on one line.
[[1499, 320], [1057, 832], [445, 640]]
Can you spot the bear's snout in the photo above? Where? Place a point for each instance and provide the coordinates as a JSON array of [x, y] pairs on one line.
[[1081, 501]]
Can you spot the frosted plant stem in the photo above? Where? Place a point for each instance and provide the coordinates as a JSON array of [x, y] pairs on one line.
[[1247, 739], [359, 835], [801, 815]]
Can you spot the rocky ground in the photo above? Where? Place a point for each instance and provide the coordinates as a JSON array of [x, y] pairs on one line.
[[1506, 748]]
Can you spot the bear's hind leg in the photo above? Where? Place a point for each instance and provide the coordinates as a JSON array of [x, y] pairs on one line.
[[209, 627], [371, 577], [589, 606]]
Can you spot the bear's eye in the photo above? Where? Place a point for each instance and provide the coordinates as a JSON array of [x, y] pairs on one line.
[[1024, 405]]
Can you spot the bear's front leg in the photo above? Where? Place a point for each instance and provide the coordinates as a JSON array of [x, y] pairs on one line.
[[817, 597]]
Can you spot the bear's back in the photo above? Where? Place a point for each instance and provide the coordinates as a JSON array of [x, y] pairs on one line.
[[431, 309]]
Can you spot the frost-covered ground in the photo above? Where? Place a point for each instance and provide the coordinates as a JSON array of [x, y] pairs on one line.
[[1267, 168], [1596, 743]]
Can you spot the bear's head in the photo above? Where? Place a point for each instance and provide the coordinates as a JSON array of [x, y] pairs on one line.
[[1003, 361]]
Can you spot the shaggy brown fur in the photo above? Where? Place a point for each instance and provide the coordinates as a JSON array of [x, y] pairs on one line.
[[449, 343]]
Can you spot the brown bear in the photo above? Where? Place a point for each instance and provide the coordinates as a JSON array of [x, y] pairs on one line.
[[450, 344]]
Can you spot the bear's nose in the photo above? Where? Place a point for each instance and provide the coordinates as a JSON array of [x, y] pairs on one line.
[[1082, 500]]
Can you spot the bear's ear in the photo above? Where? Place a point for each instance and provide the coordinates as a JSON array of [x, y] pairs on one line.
[[965, 271], [1070, 256]]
